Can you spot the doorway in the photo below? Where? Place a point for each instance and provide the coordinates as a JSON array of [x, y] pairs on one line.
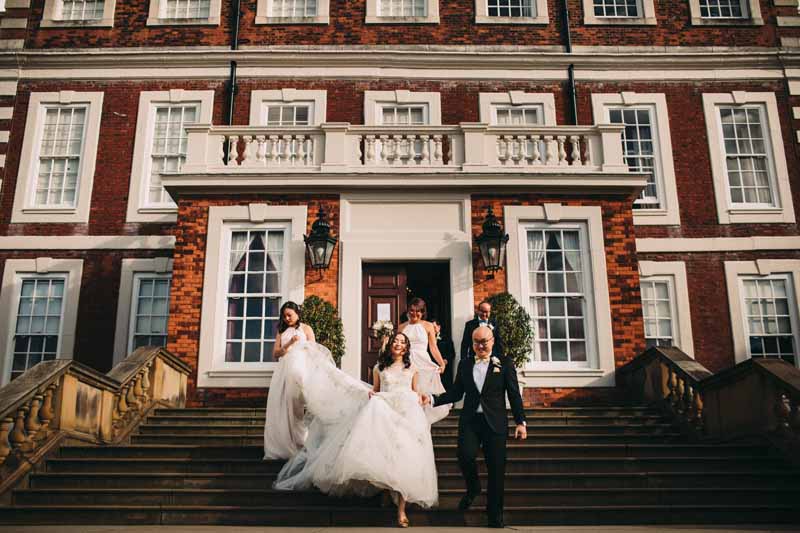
[[387, 289]]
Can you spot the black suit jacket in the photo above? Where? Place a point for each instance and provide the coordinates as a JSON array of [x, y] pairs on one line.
[[492, 397], [466, 340]]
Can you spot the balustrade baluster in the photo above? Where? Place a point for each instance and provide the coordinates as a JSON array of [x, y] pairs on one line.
[[122, 402], [146, 379], [699, 420], [681, 399], [550, 152], [370, 150], [46, 413], [32, 424], [133, 404], [384, 152], [783, 410], [272, 155], [138, 392], [502, 149], [516, 149], [261, 149], [576, 150], [301, 150], [438, 152], [247, 155], [673, 389], [536, 155], [286, 153], [233, 142], [425, 153], [562, 153], [588, 156], [5, 432], [18, 437]]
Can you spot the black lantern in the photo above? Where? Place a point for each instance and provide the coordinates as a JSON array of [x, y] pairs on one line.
[[492, 242], [320, 243]]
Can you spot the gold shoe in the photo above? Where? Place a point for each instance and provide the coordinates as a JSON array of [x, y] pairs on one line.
[[402, 522]]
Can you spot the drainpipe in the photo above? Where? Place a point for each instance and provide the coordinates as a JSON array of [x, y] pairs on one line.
[[231, 88], [573, 96]]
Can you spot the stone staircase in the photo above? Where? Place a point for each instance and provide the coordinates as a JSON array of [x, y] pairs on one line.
[[582, 465]]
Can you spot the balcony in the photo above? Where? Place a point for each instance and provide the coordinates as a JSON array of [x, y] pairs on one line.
[[341, 154]]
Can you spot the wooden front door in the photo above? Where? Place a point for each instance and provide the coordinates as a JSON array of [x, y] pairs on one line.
[[384, 289]]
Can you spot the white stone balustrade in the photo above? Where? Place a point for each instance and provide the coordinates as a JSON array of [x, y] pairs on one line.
[[466, 147]]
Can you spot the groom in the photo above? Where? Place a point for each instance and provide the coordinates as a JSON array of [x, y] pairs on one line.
[[485, 379]]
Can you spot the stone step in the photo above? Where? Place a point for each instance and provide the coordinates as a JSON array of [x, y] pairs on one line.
[[448, 497], [344, 516], [569, 439], [77, 455], [447, 480]]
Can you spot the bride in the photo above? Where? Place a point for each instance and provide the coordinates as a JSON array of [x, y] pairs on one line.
[[422, 335], [373, 440]]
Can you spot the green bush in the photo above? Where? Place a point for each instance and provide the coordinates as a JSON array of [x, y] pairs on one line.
[[516, 328], [324, 319]]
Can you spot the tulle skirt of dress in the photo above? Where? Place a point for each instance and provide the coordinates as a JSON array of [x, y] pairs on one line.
[[429, 381]]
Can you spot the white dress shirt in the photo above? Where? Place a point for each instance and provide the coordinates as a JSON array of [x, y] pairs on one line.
[[479, 371]]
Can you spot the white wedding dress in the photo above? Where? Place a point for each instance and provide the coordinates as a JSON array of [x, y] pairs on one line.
[[359, 445], [429, 380], [285, 429]]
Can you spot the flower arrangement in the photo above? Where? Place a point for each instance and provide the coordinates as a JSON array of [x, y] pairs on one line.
[[382, 328]]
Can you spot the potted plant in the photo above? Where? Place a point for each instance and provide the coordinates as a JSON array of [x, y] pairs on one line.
[[515, 329], [324, 319]]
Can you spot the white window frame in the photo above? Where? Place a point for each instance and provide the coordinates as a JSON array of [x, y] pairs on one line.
[[264, 7], [15, 270], [647, 15], [540, 14], [488, 102], [431, 17], [783, 212], [751, 8], [159, 266], [734, 271], [24, 209], [668, 213], [675, 273], [374, 100], [317, 99], [138, 210], [52, 9], [158, 7], [212, 370], [600, 350]]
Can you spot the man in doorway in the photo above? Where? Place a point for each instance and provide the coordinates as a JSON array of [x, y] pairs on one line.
[[448, 351], [483, 317]]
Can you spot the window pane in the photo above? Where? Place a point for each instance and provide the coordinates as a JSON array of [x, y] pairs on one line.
[[510, 8], [403, 114], [169, 147], [38, 323], [657, 310], [402, 8], [720, 9], [769, 315], [616, 8], [81, 9], [638, 150], [150, 312], [187, 9], [746, 158], [59, 157]]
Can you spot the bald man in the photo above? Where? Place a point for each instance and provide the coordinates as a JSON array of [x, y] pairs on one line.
[[483, 381]]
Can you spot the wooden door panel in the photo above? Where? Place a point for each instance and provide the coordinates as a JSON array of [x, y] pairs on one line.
[[382, 284]]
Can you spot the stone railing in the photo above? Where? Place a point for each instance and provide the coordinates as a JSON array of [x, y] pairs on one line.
[[756, 398], [63, 399], [342, 147]]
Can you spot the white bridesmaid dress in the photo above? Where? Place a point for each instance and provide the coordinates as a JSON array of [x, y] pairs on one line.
[[429, 381]]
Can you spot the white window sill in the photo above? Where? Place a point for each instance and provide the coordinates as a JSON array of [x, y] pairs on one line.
[[259, 378], [211, 21], [696, 21], [159, 209], [53, 210], [577, 377], [293, 20], [402, 20], [591, 20], [655, 217], [762, 215], [485, 19], [95, 23]]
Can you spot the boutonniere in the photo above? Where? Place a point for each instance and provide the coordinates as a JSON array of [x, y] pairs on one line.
[[496, 361], [490, 326]]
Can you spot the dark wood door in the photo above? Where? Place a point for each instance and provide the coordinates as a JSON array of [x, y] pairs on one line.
[[384, 290]]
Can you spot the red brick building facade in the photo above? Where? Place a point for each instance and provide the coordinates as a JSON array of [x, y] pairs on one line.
[[642, 156]]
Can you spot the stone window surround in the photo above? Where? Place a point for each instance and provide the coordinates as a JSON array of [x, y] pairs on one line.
[[601, 353], [212, 325], [71, 270], [753, 18], [130, 268], [372, 99], [263, 8], [49, 20], [259, 97], [487, 101], [431, 17], [143, 145], [647, 16], [675, 271], [23, 210], [154, 16], [669, 213], [482, 14], [784, 212], [734, 270]]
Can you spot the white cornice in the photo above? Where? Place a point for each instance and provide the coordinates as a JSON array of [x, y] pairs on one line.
[[88, 242], [716, 244]]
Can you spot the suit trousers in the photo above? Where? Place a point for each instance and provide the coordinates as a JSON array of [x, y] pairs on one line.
[[472, 436]]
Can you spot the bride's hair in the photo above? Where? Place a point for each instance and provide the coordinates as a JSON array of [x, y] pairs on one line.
[[282, 325], [385, 357]]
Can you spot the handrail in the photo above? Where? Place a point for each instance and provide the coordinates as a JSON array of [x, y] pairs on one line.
[[66, 399], [755, 398]]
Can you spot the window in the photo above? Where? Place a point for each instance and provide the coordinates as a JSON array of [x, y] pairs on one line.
[[38, 312], [768, 311], [665, 305], [255, 261], [748, 163], [558, 294], [56, 171], [403, 115], [287, 107], [160, 148], [38, 325], [725, 12], [646, 147], [657, 309], [511, 12], [172, 12], [402, 108], [638, 148], [619, 12], [169, 148], [150, 311], [517, 108], [292, 11], [287, 114], [518, 115], [399, 11], [83, 13], [616, 8]]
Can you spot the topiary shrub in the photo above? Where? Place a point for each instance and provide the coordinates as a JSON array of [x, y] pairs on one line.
[[324, 319], [516, 328]]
